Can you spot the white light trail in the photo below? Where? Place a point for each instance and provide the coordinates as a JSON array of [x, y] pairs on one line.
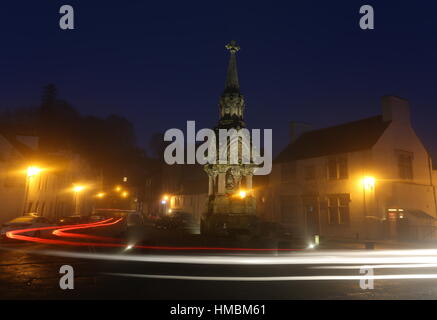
[[380, 266], [302, 258], [283, 278]]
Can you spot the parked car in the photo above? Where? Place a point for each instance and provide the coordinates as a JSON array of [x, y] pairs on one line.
[[95, 218], [133, 227], [134, 219], [25, 222], [76, 219]]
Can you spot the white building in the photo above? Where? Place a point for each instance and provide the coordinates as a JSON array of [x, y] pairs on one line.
[[367, 179], [47, 189], [13, 153]]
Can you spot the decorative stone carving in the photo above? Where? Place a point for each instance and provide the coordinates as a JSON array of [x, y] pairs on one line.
[[224, 199]]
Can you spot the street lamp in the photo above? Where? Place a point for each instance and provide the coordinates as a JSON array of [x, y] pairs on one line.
[[32, 171], [369, 183], [242, 194], [77, 189], [369, 186], [164, 202]]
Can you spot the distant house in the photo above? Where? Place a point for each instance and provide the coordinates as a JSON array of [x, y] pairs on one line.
[[13, 153], [186, 187], [46, 191], [367, 179], [50, 192]]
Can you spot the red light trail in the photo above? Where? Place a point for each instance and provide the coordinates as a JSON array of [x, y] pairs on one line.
[[111, 242]]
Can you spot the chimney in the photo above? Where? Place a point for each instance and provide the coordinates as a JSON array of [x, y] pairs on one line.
[[30, 141], [395, 109], [297, 129]]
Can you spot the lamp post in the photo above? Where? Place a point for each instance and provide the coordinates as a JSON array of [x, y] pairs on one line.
[[368, 185], [164, 202], [31, 172], [77, 189]]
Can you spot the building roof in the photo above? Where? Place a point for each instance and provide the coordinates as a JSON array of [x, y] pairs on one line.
[[22, 148], [348, 137]]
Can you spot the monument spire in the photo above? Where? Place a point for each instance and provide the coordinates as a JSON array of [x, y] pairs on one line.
[[229, 181], [232, 101], [232, 84]]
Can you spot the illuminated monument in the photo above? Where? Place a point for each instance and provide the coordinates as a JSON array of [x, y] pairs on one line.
[[231, 203]]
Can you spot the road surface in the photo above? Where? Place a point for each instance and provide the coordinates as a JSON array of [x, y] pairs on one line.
[[28, 274], [107, 267]]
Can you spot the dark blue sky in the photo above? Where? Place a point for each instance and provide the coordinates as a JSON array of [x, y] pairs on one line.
[[161, 63]]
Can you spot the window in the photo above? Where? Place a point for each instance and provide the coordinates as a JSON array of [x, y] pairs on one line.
[[332, 169], [338, 209], [177, 201], [310, 172], [289, 207], [337, 168], [288, 171], [405, 165], [342, 168]]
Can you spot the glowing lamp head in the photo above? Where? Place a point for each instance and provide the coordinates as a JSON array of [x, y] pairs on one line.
[[242, 194], [163, 202], [369, 183], [100, 195], [33, 171], [118, 189], [78, 188], [165, 198], [124, 194]]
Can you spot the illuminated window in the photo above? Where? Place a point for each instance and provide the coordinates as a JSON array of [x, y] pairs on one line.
[[338, 209]]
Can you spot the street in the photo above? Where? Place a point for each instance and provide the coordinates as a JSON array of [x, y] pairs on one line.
[[31, 271]]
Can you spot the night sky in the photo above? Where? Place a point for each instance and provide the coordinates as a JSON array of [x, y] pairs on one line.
[[162, 63]]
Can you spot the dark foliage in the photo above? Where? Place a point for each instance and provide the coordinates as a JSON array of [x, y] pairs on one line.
[[108, 144]]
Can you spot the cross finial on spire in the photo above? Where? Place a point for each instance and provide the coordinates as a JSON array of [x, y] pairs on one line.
[[232, 84], [232, 46]]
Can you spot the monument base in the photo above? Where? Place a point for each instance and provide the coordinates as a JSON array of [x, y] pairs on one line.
[[230, 215]]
